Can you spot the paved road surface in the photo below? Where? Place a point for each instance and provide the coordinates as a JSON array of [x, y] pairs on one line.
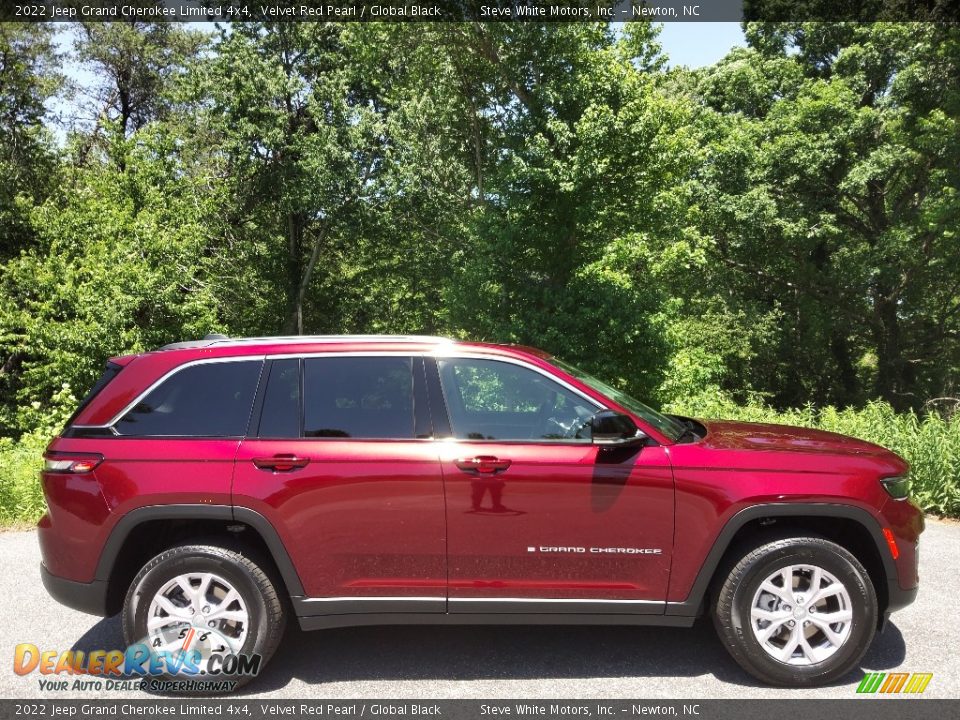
[[505, 662]]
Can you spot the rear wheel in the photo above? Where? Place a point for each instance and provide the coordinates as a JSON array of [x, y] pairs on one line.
[[799, 611], [204, 609]]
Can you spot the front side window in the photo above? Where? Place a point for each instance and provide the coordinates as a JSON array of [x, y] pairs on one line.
[[358, 397], [666, 425], [206, 400], [494, 400]]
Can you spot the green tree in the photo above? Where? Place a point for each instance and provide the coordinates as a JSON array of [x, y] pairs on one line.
[[29, 78], [118, 267], [831, 199]]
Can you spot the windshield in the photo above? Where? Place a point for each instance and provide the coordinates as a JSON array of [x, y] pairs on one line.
[[668, 426]]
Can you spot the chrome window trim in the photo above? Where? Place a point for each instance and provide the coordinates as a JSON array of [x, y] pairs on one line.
[[439, 353]]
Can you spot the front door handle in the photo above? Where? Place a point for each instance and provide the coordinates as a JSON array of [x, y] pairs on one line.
[[281, 463], [486, 464]]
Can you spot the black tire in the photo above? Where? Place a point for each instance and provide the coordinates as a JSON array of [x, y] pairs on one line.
[[732, 612], [265, 608]]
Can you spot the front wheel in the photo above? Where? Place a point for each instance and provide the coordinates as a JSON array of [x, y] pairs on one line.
[[798, 612], [205, 614]]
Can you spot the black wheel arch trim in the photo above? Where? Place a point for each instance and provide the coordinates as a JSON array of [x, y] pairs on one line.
[[692, 605], [126, 524]]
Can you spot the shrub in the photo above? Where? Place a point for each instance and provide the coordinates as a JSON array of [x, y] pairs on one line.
[[21, 500]]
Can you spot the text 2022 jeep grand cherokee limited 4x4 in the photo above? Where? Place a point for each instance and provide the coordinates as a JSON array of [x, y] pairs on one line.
[[352, 480]]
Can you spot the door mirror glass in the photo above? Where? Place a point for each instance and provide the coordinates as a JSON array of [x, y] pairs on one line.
[[609, 428]]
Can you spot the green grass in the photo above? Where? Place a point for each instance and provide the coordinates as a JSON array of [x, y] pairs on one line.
[[21, 500], [931, 445]]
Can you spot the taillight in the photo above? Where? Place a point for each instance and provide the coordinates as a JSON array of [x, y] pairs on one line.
[[71, 462]]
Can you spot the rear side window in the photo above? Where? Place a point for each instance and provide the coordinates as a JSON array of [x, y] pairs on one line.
[[358, 397], [109, 373], [207, 400]]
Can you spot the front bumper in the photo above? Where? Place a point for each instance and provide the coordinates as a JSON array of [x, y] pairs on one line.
[[86, 597], [898, 598]]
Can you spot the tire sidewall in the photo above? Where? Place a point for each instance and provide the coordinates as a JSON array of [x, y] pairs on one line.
[[863, 602]]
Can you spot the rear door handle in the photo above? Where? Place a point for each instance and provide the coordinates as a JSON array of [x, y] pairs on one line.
[[281, 463], [486, 464]]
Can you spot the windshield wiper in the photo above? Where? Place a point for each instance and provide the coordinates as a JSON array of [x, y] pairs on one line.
[[689, 428]]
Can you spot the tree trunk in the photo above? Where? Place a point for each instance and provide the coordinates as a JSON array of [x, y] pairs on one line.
[[849, 391], [293, 322], [300, 274], [889, 356]]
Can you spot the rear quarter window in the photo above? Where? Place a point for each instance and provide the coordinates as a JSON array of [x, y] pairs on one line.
[[206, 400], [110, 371]]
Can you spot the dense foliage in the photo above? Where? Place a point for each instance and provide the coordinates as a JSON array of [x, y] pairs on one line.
[[777, 230]]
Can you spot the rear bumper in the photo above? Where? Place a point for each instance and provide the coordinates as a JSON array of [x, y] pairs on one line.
[[86, 597]]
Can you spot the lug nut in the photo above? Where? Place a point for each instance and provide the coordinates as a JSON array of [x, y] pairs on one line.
[[791, 623], [800, 600], [212, 623], [787, 608], [206, 609]]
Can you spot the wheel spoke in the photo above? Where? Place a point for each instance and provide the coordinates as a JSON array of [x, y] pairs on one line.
[[790, 646], [769, 615], [832, 588], [229, 615], [226, 601], [205, 581], [160, 621], [771, 630], [781, 593], [835, 638], [831, 618], [171, 609], [787, 575], [808, 652], [188, 591], [169, 646]]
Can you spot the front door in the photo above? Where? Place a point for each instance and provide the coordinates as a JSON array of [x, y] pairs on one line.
[[538, 518], [346, 471]]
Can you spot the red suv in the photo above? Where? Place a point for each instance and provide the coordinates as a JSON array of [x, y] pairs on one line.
[[228, 484]]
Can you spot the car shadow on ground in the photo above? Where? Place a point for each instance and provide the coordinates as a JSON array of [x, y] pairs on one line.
[[484, 652]]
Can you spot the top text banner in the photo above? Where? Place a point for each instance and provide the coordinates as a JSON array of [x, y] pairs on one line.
[[479, 11]]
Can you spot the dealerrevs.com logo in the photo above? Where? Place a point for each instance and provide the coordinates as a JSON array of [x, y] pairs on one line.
[[887, 683], [201, 662]]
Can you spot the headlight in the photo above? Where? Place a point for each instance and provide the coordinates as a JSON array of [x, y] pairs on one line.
[[898, 487]]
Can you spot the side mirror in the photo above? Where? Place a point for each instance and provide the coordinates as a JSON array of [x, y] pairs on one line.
[[612, 429]]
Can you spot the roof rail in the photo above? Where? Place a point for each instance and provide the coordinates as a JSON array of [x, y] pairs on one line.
[[224, 341]]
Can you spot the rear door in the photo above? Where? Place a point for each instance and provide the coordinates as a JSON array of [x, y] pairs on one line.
[[342, 463]]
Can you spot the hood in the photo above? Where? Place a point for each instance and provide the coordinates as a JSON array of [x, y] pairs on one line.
[[729, 435]]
